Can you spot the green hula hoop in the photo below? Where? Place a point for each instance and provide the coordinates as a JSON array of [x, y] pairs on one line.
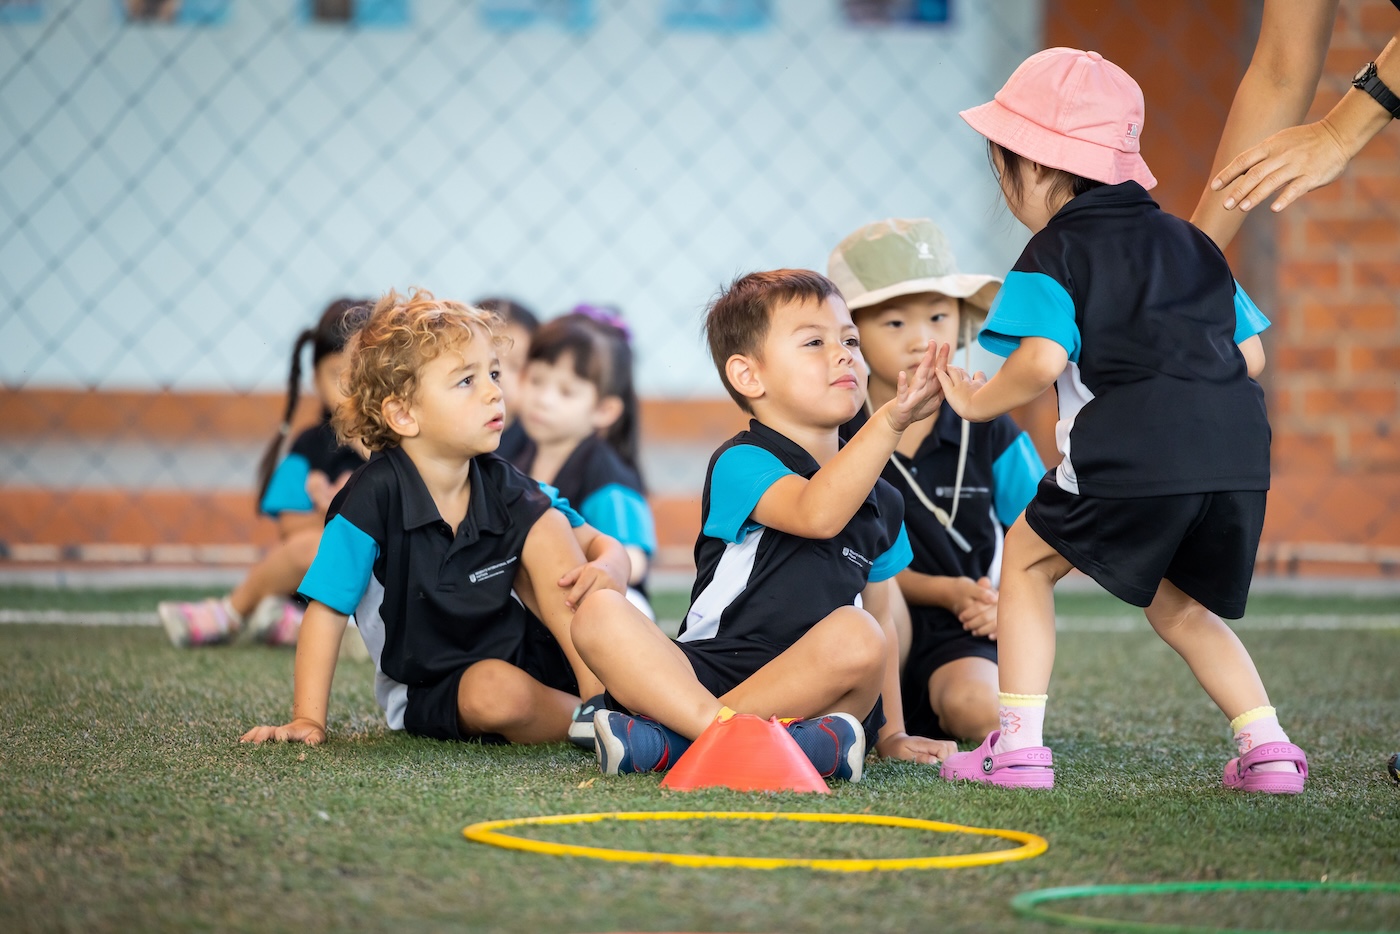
[[489, 832], [1027, 904]]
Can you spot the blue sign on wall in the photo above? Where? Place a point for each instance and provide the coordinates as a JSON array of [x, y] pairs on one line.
[[897, 12], [717, 15], [371, 13], [21, 11], [512, 15]]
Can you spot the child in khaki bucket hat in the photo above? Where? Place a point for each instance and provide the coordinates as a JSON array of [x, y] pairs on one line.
[[963, 484]]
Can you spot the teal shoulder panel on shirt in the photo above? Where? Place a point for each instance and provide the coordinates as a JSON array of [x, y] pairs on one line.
[[344, 563], [1016, 473], [286, 489], [1249, 320], [562, 504], [738, 481], [1030, 304], [893, 561], [623, 513]]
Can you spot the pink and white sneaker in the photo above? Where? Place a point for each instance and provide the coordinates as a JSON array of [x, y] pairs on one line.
[[1032, 767], [275, 621], [207, 622]]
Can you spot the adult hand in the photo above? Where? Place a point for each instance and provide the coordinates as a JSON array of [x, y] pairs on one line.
[[299, 730], [1292, 162]]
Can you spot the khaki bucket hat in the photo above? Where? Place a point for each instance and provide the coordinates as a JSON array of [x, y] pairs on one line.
[[901, 256]]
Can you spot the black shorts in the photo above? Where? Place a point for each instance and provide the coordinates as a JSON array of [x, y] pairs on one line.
[[1204, 543], [721, 667], [432, 708], [936, 638]]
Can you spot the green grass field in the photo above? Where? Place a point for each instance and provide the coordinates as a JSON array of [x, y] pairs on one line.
[[127, 804]]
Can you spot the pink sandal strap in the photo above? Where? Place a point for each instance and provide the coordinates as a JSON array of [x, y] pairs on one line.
[[1275, 752]]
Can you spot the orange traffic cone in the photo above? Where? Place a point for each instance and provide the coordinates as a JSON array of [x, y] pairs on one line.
[[745, 753]]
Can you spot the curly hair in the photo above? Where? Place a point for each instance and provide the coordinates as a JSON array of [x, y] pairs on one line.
[[401, 334]]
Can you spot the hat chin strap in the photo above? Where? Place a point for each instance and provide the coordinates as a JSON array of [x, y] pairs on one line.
[[945, 519]]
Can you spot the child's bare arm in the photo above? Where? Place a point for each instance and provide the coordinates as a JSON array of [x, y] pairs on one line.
[[1253, 350], [550, 553], [894, 742], [318, 647], [821, 506], [608, 566], [1031, 369]]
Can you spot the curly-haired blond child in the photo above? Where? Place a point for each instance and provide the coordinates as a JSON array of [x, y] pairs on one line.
[[429, 544]]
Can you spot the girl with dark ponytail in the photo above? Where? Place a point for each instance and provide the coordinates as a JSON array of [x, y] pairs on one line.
[[294, 487], [580, 413]]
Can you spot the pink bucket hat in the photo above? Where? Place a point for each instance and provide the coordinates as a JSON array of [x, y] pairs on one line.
[[1070, 110]]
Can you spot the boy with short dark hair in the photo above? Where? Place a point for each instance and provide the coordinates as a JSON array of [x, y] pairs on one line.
[[429, 543], [789, 615]]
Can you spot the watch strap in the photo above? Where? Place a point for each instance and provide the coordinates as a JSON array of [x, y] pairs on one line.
[[1382, 95]]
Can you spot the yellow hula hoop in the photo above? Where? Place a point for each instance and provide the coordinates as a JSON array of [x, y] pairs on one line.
[[489, 833]]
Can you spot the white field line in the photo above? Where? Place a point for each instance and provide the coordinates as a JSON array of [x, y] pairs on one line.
[[1125, 623]]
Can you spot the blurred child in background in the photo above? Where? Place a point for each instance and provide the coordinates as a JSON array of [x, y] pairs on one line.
[[518, 326], [962, 484], [294, 487], [580, 417]]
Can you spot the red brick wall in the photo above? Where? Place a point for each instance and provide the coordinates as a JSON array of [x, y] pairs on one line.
[[1331, 262]]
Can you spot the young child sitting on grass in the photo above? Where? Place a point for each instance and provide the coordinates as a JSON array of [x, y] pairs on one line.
[[962, 484], [1134, 317], [428, 544], [789, 615]]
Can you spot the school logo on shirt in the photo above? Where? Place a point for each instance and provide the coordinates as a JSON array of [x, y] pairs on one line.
[[491, 570], [855, 557]]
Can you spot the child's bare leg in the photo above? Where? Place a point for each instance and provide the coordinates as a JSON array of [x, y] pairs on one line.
[[494, 696], [1211, 649], [963, 694], [279, 572], [641, 667], [837, 666], [1026, 611]]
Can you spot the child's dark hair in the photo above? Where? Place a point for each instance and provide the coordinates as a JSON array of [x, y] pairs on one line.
[[737, 320], [339, 321], [1065, 185], [511, 312], [602, 354]]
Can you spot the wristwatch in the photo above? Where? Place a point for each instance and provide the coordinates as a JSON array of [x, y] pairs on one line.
[[1367, 80]]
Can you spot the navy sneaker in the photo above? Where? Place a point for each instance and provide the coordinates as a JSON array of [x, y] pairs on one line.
[[635, 744], [581, 726], [835, 744]]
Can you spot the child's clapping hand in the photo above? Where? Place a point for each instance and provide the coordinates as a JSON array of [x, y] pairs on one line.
[[918, 396], [957, 386]]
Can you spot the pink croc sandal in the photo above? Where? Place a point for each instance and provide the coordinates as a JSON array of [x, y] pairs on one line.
[[1032, 767], [1241, 773]]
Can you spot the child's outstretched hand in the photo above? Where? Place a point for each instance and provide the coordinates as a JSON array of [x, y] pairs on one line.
[[298, 731], [955, 382], [915, 748], [918, 396]]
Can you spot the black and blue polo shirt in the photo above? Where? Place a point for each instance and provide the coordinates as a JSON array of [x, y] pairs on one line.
[[1155, 399], [756, 584], [605, 489], [1000, 475], [428, 602], [316, 448]]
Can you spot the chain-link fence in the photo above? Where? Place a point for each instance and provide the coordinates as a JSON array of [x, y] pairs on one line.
[[182, 188]]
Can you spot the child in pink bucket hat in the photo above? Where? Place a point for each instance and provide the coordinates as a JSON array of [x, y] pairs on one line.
[[1134, 317]]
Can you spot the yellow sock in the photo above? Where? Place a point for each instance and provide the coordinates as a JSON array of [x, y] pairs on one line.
[[1249, 716]]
